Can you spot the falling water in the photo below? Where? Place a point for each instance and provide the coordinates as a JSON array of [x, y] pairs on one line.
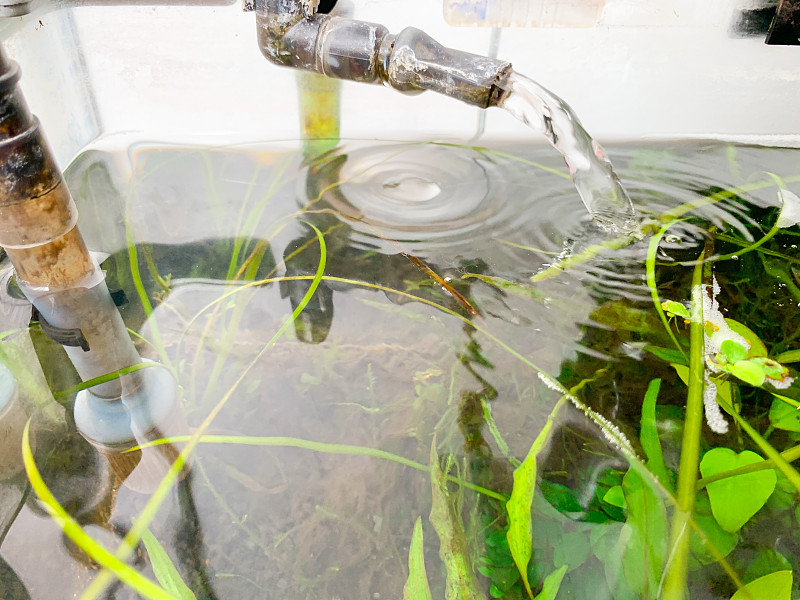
[[589, 167]]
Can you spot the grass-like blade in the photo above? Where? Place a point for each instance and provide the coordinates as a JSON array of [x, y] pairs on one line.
[[520, 526], [649, 435], [164, 569], [143, 586], [417, 587]]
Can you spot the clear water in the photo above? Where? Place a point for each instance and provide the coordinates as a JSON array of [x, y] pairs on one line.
[[373, 361], [588, 164]]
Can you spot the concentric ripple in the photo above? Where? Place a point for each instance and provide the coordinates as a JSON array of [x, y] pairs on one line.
[[428, 196]]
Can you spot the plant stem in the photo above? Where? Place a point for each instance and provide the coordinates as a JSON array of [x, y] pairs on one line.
[[677, 566]]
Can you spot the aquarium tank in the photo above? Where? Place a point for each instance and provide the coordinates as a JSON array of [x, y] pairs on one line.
[[409, 299]]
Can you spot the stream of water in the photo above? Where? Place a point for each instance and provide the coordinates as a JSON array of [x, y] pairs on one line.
[[589, 166]]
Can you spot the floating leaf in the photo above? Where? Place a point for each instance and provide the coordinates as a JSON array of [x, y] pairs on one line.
[[520, 528], [775, 586], [164, 569], [417, 587], [734, 500], [551, 584], [461, 582]]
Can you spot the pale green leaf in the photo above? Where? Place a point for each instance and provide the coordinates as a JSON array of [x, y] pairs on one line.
[[784, 416], [775, 586], [790, 356], [551, 584], [748, 371], [520, 528], [790, 209], [673, 308], [163, 568], [417, 587], [733, 351]]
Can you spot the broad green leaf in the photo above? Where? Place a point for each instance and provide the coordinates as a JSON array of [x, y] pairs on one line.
[[734, 500], [784, 416], [520, 528], [551, 584], [164, 570], [790, 209], [649, 434], [733, 351], [647, 532], [417, 587], [775, 586], [757, 347], [748, 371], [461, 582]]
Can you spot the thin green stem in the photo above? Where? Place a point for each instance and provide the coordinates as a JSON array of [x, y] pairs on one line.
[[675, 576]]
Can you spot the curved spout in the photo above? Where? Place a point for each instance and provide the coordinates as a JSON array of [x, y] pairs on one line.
[[290, 34]]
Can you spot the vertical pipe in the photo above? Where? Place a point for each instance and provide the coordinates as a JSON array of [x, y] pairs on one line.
[[38, 230]]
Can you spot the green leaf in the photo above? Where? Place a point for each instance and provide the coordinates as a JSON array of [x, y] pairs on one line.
[[461, 582], [784, 416], [649, 434], [733, 351], [775, 586], [723, 541], [164, 570], [676, 309], [734, 500], [615, 497], [790, 356], [561, 497], [768, 561], [748, 371], [417, 587], [520, 528], [551, 584], [757, 347], [646, 534]]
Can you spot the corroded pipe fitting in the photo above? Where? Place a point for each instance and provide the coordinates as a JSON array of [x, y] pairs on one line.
[[411, 61]]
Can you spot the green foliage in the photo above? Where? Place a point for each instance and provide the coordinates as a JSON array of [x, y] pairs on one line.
[[461, 582], [775, 586], [520, 528], [734, 500], [417, 587], [165, 571], [646, 532], [551, 584]]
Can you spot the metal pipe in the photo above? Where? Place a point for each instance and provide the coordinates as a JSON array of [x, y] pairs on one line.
[[290, 34]]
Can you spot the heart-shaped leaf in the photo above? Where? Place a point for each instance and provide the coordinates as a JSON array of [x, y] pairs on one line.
[[734, 500]]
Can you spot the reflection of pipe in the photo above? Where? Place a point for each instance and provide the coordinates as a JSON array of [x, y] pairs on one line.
[[289, 34], [38, 230]]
